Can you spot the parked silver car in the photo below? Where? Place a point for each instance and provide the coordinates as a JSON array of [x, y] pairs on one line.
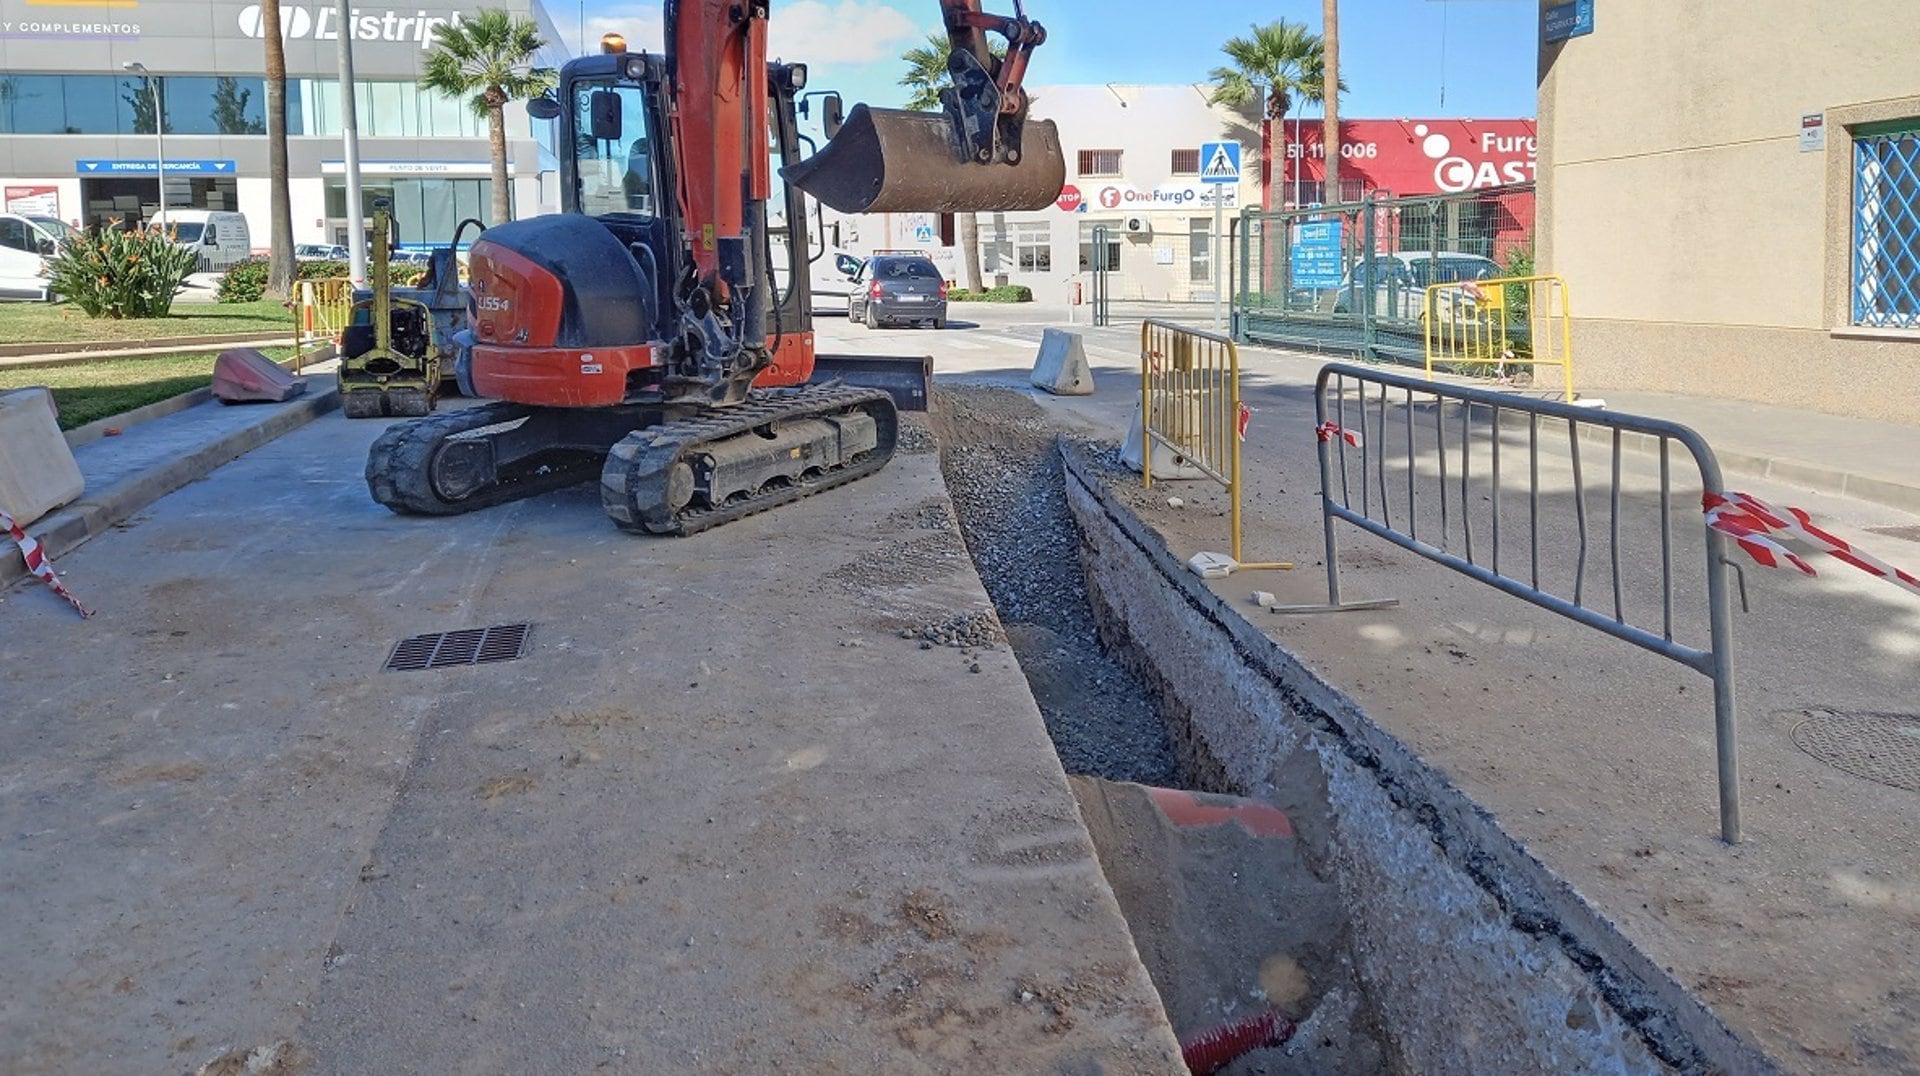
[[892, 288], [1399, 281]]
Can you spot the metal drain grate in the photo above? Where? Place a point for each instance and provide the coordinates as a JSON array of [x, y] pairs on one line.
[[1905, 534], [473, 646], [1878, 747]]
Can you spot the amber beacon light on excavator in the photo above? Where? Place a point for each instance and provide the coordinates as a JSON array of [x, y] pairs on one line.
[[641, 334]]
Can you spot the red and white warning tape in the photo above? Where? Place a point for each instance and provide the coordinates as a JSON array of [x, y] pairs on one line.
[[1243, 419], [1754, 525], [37, 561], [1327, 431]]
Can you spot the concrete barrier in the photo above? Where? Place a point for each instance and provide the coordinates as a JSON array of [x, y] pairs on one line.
[[1061, 367], [244, 375], [1167, 464], [37, 470]]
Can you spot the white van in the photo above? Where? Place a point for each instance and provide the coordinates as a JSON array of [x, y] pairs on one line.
[[219, 239], [25, 245]]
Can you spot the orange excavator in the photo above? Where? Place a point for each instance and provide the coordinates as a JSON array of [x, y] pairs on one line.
[[642, 335]]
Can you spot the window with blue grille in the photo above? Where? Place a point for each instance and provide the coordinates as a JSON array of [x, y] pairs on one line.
[[1886, 228]]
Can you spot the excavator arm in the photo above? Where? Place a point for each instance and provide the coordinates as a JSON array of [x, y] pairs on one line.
[[980, 154]]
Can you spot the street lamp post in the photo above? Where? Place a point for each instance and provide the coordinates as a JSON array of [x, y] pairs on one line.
[[159, 132], [350, 142]]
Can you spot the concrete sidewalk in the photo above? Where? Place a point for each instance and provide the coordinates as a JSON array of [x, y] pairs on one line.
[[1847, 457], [720, 818], [129, 471], [1876, 462]]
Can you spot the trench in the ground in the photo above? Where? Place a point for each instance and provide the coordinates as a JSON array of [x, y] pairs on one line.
[[1227, 927]]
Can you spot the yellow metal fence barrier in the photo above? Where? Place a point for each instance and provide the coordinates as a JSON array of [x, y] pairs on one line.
[[1190, 402], [321, 309], [1498, 323]]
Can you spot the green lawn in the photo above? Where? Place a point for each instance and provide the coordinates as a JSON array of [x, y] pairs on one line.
[[22, 323], [94, 390]]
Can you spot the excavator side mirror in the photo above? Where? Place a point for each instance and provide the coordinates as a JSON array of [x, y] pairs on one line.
[[848, 265], [544, 107], [603, 116], [832, 114]]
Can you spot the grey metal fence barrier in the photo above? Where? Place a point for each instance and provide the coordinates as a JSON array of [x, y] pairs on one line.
[[1387, 467], [1352, 277]]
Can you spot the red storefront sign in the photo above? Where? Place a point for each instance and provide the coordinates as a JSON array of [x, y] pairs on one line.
[[1407, 156]]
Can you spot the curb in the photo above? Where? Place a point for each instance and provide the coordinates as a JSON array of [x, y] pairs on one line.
[[43, 356], [70, 527], [97, 429]]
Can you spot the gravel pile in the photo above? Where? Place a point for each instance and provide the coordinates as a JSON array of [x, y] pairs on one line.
[[969, 630], [1004, 476]]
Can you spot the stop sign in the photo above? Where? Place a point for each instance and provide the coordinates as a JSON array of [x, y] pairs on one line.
[[1069, 198]]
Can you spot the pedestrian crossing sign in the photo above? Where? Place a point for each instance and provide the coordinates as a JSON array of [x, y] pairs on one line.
[[1220, 162]]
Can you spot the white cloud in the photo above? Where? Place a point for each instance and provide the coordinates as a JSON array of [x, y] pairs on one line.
[[845, 32], [641, 24], [820, 32]]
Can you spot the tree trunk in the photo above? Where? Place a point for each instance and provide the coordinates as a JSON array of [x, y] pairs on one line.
[[497, 134], [1330, 125], [280, 268], [967, 231]]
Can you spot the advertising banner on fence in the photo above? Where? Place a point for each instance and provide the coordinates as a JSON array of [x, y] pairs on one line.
[[1410, 156]]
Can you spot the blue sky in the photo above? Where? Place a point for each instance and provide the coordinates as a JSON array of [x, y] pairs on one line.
[[1391, 50]]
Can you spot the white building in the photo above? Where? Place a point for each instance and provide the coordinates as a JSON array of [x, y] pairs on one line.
[[79, 139]]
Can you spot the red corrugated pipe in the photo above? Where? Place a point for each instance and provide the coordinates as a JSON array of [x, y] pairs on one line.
[[1214, 1050]]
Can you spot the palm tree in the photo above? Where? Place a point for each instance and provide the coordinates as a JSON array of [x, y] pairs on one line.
[[926, 76], [280, 227], [1282, 59], [490, 58]]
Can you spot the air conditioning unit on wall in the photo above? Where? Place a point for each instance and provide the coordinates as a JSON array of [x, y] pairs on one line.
[[1137, 226]]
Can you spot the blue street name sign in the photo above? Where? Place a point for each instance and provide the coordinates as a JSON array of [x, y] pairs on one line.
[[1563, 21]]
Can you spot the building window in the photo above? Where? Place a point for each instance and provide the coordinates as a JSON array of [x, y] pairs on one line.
[[1025, 247], [1033, 248], [1200, 251], [1886, 227], [428, 210], [112, 104], [384, 110], [1186, 162], [1099, 162], [1112, 252]]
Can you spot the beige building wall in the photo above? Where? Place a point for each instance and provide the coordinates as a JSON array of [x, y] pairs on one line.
[[1705, 251]]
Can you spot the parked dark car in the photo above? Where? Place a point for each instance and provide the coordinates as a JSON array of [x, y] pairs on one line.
[[894, 288]]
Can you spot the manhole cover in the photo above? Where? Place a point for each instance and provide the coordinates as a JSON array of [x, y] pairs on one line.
[[1878, 747], [473, 646]]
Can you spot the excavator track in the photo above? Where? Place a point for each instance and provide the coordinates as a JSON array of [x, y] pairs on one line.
[[401, 464], [658, 480]]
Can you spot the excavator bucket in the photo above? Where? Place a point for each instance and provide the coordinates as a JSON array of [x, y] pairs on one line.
[[887, 160]]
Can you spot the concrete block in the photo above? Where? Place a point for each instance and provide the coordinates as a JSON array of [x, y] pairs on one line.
[[1166, 462], [1212, 565], [37, 470], [1061, 367], [245, 375]]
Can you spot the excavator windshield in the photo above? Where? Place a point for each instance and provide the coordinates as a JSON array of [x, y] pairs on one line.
[[613, 149]]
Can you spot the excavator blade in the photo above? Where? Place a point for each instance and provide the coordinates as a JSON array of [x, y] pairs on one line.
[[887, 160]]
